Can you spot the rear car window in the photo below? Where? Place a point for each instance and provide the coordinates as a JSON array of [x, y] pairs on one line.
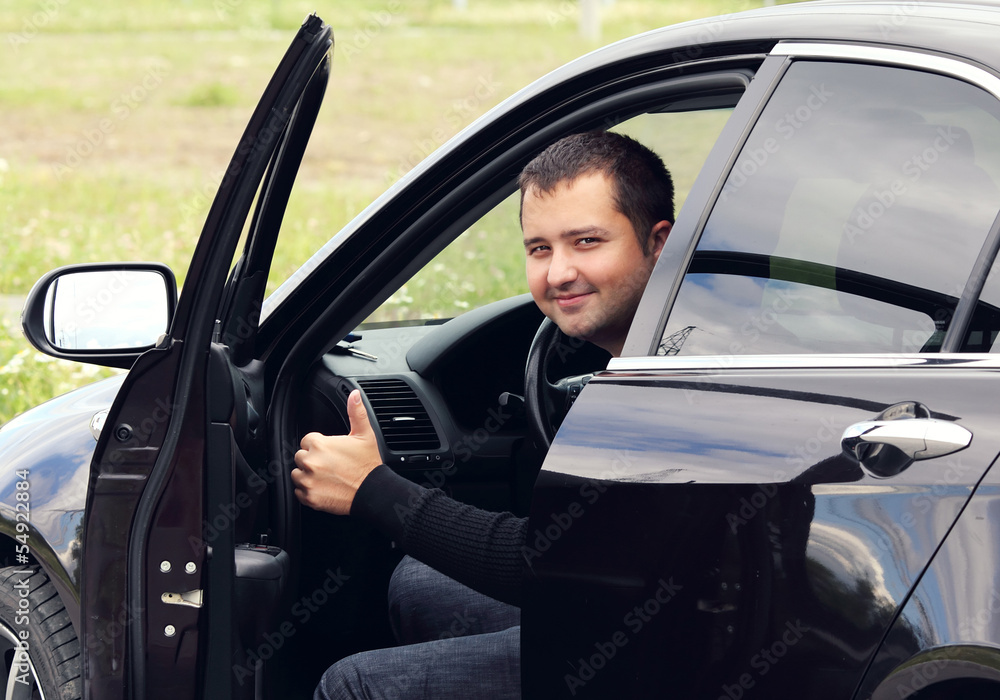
[[851, 220]]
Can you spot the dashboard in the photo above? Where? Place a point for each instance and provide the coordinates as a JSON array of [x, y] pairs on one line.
[[446, 399]]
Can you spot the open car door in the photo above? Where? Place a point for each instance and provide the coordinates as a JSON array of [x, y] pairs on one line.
[[185, 540]]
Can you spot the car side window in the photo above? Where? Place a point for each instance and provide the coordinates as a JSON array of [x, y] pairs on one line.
[[851, 220], [682, 139], [486, 262]]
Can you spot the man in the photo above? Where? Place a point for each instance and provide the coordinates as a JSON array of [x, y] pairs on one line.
[[596, 209]]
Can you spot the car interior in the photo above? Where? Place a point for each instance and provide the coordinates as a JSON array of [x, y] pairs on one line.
[[441, 363]]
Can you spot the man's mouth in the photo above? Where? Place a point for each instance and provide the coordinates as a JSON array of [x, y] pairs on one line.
[[570, 300]]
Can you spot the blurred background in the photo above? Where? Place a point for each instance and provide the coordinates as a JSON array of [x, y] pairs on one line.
[[118, 119]]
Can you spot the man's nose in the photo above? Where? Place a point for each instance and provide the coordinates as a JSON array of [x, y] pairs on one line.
[[562, 270]]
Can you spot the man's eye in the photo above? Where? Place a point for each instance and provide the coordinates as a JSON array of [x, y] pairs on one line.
[[538, 249], [588, 241]]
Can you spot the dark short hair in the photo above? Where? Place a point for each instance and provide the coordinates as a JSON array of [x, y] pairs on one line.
[[643, 188]]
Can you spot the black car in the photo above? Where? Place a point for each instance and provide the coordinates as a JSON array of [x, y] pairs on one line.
[[782, 489]]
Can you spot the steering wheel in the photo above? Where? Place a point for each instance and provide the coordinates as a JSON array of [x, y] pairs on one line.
[[546, 402]]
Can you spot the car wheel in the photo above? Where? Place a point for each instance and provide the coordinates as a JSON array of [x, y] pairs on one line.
[[33, 617]]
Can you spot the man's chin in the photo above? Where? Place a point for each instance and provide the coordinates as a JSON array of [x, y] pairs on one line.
[[572, 328]]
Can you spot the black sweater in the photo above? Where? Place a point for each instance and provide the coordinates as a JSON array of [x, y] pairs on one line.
[[479, 548]]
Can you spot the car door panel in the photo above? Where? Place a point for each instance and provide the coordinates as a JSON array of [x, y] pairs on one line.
[[728, 495], [117, 481], [957, 640], [698, 527]]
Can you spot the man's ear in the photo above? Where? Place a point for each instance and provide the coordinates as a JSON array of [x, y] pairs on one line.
[[658, 236]]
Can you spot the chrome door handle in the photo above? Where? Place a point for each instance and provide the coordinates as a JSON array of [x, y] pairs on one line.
[[917, 438]]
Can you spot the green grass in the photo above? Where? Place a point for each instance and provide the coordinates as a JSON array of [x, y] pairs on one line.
[[118, 119], [213, 94], [486, 263], [28, 377]]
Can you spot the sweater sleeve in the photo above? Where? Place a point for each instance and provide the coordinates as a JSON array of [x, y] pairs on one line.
[[479, 548]]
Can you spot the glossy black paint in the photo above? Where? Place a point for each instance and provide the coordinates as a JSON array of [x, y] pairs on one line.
[[950, 625], [695, 532], [708, 526], [57, 470]]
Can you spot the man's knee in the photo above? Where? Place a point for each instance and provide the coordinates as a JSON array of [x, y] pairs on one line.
[[362, 676], [342, 681], [413, 582]]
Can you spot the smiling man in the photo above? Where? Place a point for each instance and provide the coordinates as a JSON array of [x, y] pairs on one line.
[[596, 209]]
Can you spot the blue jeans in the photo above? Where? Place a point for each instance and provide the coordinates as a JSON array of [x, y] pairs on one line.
[[456, 643]]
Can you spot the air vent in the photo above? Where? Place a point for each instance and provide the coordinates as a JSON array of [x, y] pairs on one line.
[[404, 422]]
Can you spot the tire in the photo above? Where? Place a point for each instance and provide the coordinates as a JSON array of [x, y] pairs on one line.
[[53, 668]]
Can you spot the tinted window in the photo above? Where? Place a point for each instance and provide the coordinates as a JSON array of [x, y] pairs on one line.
[[850, 221]]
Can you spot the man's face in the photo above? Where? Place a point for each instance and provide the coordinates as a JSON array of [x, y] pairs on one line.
[[585, 268]]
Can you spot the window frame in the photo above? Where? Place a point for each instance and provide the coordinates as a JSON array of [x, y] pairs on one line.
[[657, 303], [456, 211]]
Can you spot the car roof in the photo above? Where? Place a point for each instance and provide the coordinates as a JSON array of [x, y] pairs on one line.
[[967, 29]]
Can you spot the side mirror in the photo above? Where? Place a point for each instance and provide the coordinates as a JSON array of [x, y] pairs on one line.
[[103, 314]]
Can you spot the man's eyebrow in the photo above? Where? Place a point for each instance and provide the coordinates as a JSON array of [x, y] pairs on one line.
[[571, 233]]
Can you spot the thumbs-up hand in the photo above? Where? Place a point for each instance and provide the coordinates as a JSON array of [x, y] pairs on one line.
[[330, 468]]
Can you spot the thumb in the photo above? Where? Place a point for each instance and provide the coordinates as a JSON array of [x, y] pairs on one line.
[[360, 424]]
